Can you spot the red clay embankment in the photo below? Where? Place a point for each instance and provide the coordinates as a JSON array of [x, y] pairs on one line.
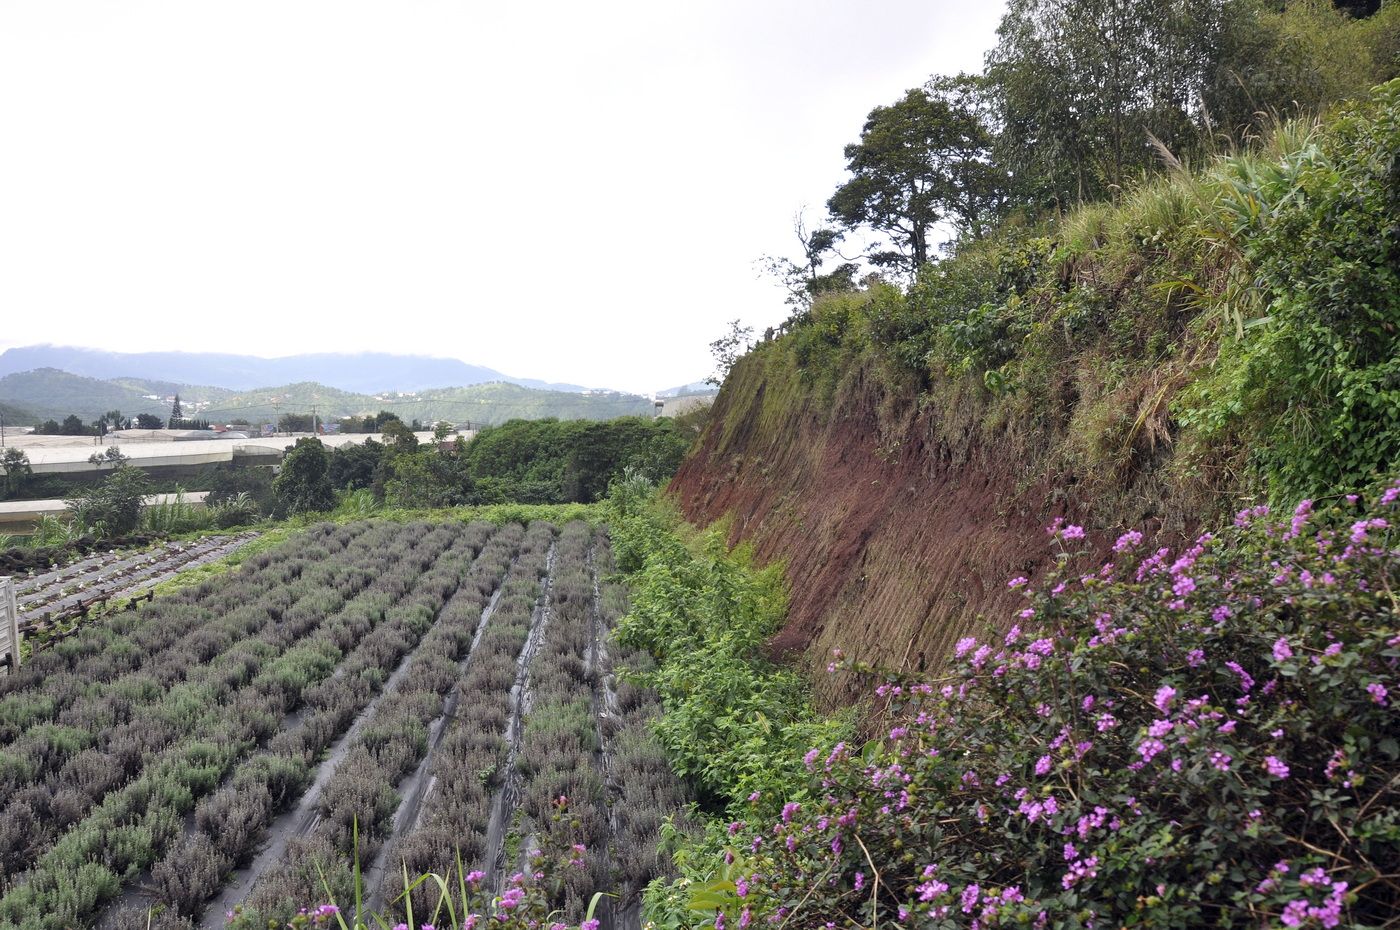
[[898, 527]]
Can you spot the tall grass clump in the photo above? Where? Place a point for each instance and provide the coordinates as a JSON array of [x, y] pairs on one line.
[[174, 515]]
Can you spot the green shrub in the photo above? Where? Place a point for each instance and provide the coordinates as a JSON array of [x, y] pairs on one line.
[[113, 508], [1314, 390], [732, 716]]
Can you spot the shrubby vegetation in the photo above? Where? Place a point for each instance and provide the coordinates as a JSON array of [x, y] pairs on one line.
[[564, 461], [303, 485], [1244, 317], [522, 462], [1194, 738], [112, 508], [733, 718]]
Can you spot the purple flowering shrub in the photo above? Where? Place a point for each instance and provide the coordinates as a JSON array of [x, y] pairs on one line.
[[1179, 739]]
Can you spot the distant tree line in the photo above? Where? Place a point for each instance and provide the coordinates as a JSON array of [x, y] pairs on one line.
[[73, 425], [521, 461]]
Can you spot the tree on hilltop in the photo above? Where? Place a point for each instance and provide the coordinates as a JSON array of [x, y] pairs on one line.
[[922, 161]]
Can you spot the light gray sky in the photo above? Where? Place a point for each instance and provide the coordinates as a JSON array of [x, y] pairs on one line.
[[568, 190]]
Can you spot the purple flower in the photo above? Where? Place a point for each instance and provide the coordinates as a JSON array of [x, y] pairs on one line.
[[1246, 680], [1043, 765], [1282, 650], [789, 809], [969, 898], [1079, 871], [1377, 692], [1149, 748], [1127, 541], [1164, 697], [1276, 767], [1072, 532]]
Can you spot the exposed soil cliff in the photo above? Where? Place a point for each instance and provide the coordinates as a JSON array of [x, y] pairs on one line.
[[898, 526]]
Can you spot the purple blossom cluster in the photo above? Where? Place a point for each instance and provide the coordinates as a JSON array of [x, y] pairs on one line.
[[1190, 738]]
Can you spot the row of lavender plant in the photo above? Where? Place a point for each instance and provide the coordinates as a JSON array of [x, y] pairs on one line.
[[559, 744], [360, 800], [128, 829], [56, 773], [90, 654], [469, 766], [158, 644], [229, 823], [644, 789]]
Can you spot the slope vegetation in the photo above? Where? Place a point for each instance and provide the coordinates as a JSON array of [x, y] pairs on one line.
[[1212, 338]]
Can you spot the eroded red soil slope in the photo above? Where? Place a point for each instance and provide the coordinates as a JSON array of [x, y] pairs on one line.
[[897, 530]]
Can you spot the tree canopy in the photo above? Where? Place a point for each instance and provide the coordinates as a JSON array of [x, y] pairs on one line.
[[304, 485], [921, 161]]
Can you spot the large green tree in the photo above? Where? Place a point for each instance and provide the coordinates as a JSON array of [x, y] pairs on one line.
[[304, 483], [18, 472], [1084, 86], [1088, 92], [922, 161]]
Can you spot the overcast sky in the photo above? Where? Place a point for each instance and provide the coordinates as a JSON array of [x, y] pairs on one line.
[[574, 191]]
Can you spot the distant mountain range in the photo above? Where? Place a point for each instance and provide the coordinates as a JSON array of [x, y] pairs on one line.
[[362, 373], [48, 393]]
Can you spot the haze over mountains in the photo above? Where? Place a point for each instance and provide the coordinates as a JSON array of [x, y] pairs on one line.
[[362, 372], [50, 382]]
